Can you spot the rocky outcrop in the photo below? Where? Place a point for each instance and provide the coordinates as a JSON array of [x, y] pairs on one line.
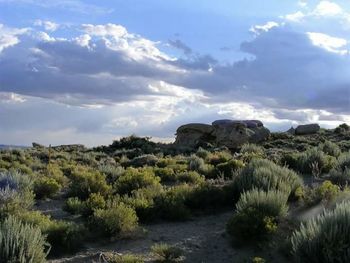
[[307, 129], [194, 134], [229, 133]]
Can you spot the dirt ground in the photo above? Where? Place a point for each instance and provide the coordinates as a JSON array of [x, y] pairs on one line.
[[203, 239]]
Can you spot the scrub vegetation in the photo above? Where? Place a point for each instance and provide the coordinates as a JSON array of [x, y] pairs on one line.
[[111, 193]]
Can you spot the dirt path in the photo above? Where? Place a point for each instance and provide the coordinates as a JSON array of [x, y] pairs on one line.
[[203, 240]]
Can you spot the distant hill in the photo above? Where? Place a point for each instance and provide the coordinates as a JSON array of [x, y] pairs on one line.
[[4, 146]]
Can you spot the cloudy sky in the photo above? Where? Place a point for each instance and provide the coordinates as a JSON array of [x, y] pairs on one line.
[[91, 71]]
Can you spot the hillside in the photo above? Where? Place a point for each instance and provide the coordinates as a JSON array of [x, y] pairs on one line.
[[140, 201]]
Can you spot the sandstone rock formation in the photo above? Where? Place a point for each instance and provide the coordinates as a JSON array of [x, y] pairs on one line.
[[307, 129], [229, 133]]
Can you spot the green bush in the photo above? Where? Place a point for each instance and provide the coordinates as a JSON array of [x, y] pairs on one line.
[[330, 148], [74, 206], [190, 177], [170, 205], [16, 193], [112, 172], [94, 202], [317, 157], [147, 159], [22, 243], [219, 157], [202, 153], [266, 175], [325, 192], [257, 214], [164, 162], [53, 171], [340, 177], [134, 179], [344, 161], [167, 253], [115, 221], [291, 160], [45, 187], [228, 169], [165, 174], [85, 181], [342, 128], [250, 148], [196, 163], [63, 236], [142, 200], [207, 197], [325, 238], [127, 258]]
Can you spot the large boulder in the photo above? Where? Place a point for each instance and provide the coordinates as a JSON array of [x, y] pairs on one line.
[[229, 133], [307, 129], [193, 134], [234, 133]]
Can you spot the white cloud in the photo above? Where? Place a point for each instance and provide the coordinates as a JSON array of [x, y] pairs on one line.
[[319, 13], [118, 38], [9, 36], [47, 25], [43, 36], [83, 40], [302, 3], [257, 29], [113, 30], [332, 44], [327, 8], [295, 17], [111, 82], [10, 97]]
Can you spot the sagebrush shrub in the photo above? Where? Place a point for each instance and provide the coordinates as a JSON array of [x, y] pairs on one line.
[[112, 172], [196, 163], [317, 157], [171, 203], [257, 214], [219, 157], [74, 206], [165, 174], [325, 238], [45, 187], [249, 148], [166, 253], [134, 179], [85, 181], [63, 236], [22, 243], [206, 196], [202, 153], [15, 192], [344, 161], [266, 175], [147, 159], [330, 148], [340, 177], [126, 258], [116, 220], [190, 177], [228, 169]]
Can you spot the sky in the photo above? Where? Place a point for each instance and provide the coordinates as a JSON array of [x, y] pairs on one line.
[[89, 72]]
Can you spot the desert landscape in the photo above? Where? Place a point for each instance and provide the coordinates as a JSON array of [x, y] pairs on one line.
[[231, 192]]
